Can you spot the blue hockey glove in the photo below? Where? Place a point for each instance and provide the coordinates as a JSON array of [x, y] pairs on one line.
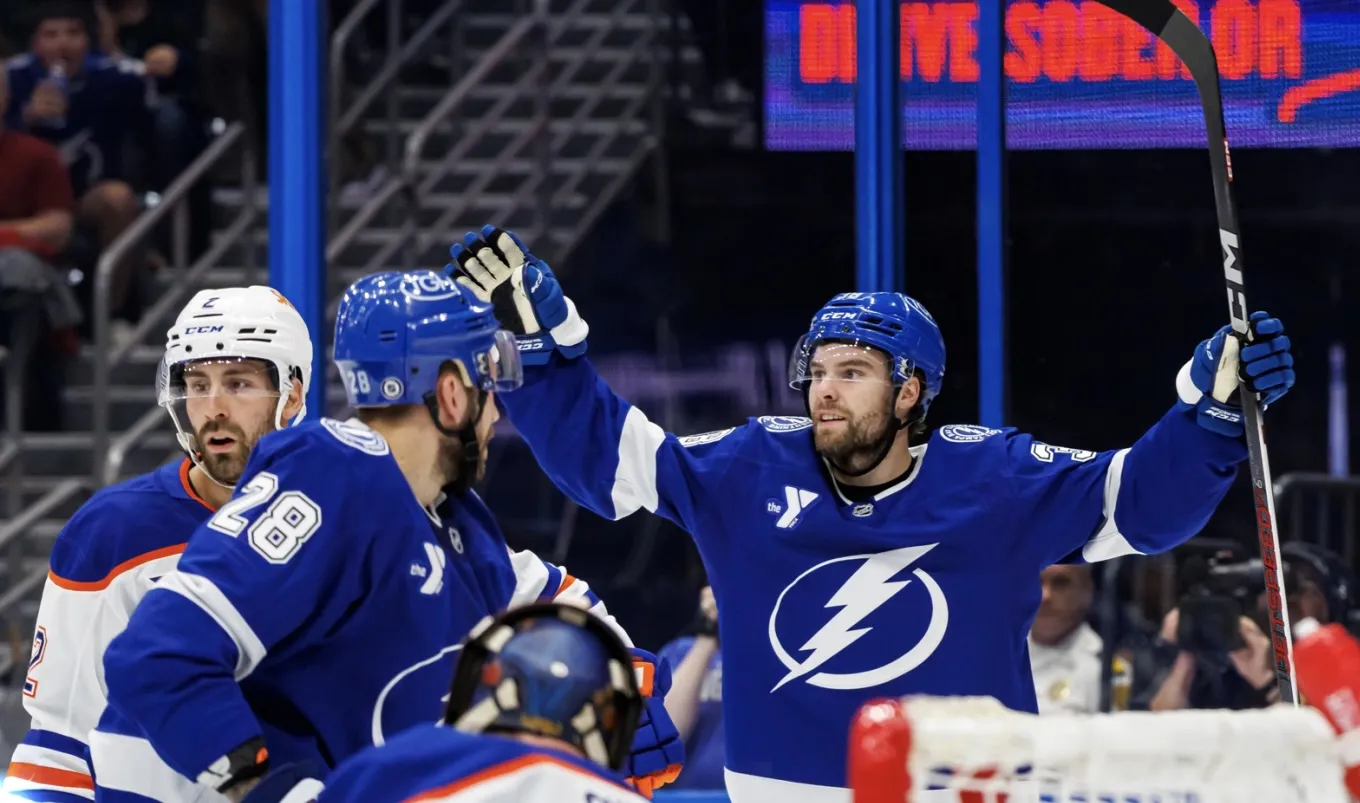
[[291, 783], [658, 754], [523, 291], [1209, 382]]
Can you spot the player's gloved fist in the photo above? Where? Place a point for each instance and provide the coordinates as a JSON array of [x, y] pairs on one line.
[[658, 754], [1210, 381], [523, 291]]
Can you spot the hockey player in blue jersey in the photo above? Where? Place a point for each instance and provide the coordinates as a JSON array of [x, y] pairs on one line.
[[853, 556], [542, 709], [237, 364], [318, 611]]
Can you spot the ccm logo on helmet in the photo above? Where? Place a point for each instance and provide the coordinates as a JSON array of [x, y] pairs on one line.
[[201, 330], [836, 316]]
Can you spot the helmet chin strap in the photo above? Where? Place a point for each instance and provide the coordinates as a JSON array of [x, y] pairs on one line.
[[471, 450]]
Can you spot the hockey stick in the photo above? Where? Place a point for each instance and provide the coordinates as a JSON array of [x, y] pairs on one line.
[[1187, 41]]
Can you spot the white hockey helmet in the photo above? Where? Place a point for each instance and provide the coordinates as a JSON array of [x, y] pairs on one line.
[[236, 323]]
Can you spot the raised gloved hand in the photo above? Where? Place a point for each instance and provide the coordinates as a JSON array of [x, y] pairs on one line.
[[658, 754], [523, 291], [1209, 383]]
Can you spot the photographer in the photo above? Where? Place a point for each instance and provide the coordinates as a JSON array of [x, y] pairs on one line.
[[1245, 680], [1209, 653]]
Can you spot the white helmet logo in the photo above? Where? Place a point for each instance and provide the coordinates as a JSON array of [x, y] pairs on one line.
[[391, 388], [428, 286]]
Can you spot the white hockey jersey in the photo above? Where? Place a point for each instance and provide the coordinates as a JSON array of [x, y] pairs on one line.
[[103, 561], [441, 765]]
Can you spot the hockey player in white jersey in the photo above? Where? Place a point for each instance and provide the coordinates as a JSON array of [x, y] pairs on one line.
[[853, 555], [320, 610], [542, 709], [237, 364]]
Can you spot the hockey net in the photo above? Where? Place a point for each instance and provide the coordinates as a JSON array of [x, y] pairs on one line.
[[973, 750]]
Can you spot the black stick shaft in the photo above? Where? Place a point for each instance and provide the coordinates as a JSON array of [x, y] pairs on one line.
[[1188, 42]]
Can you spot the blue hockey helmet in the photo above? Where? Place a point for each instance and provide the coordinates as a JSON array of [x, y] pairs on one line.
[[394, 330], [892, 323], [550, 670]]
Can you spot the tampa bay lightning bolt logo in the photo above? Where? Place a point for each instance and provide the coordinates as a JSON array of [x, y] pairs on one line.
[[425, 685], [854, 588]]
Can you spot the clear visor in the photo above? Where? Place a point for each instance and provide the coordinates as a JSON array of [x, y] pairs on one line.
[[838, 361], [205, 379], [499, 368]]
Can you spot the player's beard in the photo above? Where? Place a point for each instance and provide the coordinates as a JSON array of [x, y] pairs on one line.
[[227, 467], [856, 445], [451, 461]]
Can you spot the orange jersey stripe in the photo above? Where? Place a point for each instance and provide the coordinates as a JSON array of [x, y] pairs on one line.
[[51, 776], [189, 486], [126, 566]]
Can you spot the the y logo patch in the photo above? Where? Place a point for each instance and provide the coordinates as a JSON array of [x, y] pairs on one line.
[[434, 579], [796, 500]]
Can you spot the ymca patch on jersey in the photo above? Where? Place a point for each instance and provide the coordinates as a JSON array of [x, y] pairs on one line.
[[706, 437], [784, 423], [967, 433]]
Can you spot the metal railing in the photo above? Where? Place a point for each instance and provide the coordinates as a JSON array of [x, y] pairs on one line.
[[107, 357], [344, 117], [405, 184], [418, 178], [23, 324], [1320, 509]]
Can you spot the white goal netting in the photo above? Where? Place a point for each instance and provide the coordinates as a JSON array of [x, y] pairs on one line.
[[973, 750]]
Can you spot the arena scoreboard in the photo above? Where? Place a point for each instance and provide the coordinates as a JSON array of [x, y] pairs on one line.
[[1079, 76]]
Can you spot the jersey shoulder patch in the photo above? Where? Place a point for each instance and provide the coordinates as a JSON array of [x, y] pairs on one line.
[[966, 433], [356, 435], [784, 423], [706, 437]]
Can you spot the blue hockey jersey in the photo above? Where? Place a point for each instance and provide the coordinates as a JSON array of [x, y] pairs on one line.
[[434, 763], [320, 608], [929, 587], [103, 561]]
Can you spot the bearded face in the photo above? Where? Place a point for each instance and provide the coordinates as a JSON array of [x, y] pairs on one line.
[[851, 397], [850, 434], [230, 405]]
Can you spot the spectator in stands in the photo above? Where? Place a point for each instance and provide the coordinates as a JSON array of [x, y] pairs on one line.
[[164, 37], [695, 699], [1064, 650], [237, 55], [35, 224], [92, 107]]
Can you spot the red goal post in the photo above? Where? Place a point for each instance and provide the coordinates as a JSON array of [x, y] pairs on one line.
[[974, 750]]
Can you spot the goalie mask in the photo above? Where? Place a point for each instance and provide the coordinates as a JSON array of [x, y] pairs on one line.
[[550, 670], [230, 346]]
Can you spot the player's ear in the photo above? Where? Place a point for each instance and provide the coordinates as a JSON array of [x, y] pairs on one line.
[[455, 400], [294, 403], [908, 396]]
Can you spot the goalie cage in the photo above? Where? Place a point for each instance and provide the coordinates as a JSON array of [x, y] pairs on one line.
[[974, 750]]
